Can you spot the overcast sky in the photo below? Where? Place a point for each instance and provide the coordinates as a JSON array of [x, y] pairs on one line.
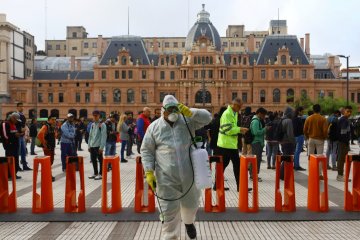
[[334, 25]]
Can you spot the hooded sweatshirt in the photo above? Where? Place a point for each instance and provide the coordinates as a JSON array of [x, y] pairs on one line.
[[287, 126]]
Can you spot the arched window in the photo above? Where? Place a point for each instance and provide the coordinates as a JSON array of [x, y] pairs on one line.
[[117, 96], [32, 113], [283, 60], [143, 96], [83, 113], [195, 60], [207, 60], [290, 95], [276, 95], [262, 96], [199, 97], [303, 93], [73, 112], [103, 96], [44, 113], [211, 60], [123, 60], [130, 96], [203, 60], [54, 112]]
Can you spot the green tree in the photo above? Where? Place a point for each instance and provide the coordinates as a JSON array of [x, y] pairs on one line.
[[329, 105]]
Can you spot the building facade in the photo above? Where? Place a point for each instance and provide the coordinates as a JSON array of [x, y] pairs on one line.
[[134, 72]]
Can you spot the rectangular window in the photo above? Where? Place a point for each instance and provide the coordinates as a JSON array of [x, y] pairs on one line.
[[303, 74], [162, 75], [49, 47], [232, 44], [263, 74], [86, 45], [77, 97], [203, 74], [116, 74], [353, 97], [244, 97], [283, 74], [50, 97], [57, 46], [172, 61], [64, 47], [225, 44], [234, 75], [183, 44], [257, 44], [291, 74], [234, 95], [276, 74], [196, 74], [103, 74], [74, 35], [167, 44], [172, 75], [237, 44], [358, 97], [130, 74], [143, 74], [40, 97], [244, 74], [123, 74], [175, 44], [74, 48], [61, 97], [87, 97], [162, 61], [94, 45], [210, 74], [331, 95]]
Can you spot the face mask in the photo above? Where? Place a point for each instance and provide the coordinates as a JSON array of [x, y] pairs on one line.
[[173, 117]]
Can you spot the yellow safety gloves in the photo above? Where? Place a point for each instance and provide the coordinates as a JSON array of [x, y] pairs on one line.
[[151, 179], [184, 110]]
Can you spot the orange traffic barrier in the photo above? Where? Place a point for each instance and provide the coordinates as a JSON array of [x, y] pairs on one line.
[[70, 192], [220, 192], [317, 201], [7, 200], [289, 186], [42, 203], [139, 191], [115, 188], [244, 178], [352, 199]]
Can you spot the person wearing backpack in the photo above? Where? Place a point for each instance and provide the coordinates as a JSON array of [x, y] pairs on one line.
[[68, 147], [258, 132], [272, 144], [333, 140], [10, 133], [97, 142], [298, 125], [286, 134], [245, 120], [46, 136]]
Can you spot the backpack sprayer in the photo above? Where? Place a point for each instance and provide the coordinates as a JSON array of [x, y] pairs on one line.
[[200, 167]]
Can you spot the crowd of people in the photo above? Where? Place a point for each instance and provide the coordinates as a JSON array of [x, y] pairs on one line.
[[163, 143]]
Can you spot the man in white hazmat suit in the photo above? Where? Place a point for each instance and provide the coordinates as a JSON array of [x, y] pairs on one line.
[[165, 150]]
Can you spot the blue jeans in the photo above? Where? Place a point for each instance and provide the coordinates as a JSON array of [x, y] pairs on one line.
[[272, 149], [67, 149], [333, 147], [22, 150], [123, 148], [110, 149], [299, 145]]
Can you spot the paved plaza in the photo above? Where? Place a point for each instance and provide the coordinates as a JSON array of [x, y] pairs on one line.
[[266, 224]]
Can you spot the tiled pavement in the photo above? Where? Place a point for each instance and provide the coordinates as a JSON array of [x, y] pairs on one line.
[[230, 225]]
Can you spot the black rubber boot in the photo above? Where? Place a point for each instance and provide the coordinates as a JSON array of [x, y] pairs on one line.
[[191, 230]]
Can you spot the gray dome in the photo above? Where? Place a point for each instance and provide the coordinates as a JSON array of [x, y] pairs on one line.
[[203, 27]]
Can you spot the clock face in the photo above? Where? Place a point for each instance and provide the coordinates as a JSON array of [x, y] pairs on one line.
[[203, 45]]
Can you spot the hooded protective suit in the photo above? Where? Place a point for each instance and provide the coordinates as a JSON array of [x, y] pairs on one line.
[[165, 149]]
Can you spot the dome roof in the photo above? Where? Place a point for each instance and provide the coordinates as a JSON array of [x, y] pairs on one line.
[[203, 27]]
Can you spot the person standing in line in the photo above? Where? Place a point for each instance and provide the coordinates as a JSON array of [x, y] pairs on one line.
[[316, 130], [214, 131], [288, 139], [130, 122], [333, 140], [22, 142], [97, 141], [110, 148], [80, 130], [33, 135], [343, 130], [68, 147], [142, 123], [46, 136], [157, 115], [123, 129], [272, 144], [228, 137], [245, 120], [298, 125]]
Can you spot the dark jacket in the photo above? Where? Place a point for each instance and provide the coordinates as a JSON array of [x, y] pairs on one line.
[[9, 135], [298, 125], [33, 130], [343, 129]]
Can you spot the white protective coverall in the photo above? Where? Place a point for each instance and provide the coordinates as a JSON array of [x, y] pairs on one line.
[[165, 149]]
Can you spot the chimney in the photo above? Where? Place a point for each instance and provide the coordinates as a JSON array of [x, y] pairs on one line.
[[307, 44], [251, 43], [331, 62], [72, 63], [2, 17], [78, 65], [156, 45], [302, 43]]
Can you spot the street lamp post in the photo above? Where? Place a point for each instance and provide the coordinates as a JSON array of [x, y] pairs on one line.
[[347, 77]]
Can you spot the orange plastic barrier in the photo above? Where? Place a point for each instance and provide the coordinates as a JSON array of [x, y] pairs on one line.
[[244, 178], [42, 203], [352, 199], [139, 191], [317, 201], [70, 192], [220, 192], [7, 200], [289, 186], [116, 189]]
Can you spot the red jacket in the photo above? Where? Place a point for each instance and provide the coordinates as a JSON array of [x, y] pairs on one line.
[[142, 123]]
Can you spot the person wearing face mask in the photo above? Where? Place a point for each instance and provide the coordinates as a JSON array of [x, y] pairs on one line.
[[165, 150]]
